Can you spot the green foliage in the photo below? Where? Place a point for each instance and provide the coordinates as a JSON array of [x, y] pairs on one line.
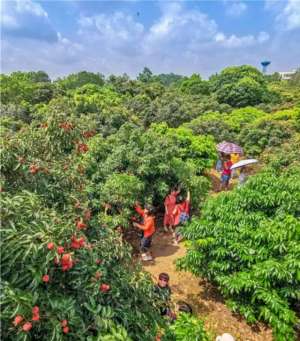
[[247, 242], [168, 79], [295, 80], [264, 133], [153, 160], [145, 76], [186, 328], [71, 146], [240, 86], [76, 80], [27, 227], [194, 85], [26, 87]]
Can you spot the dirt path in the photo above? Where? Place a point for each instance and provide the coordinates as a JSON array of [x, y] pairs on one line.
[[204, 299], [202, 296]]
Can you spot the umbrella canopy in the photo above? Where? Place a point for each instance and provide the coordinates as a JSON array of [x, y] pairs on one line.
[[229, 148], [243, 163]]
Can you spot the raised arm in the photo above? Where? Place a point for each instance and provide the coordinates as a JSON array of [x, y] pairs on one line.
[[188, 198], [139, 210]]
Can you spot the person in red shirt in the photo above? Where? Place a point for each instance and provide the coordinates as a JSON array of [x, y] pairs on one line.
[[181, 215], [148, 228], [169, 203], [226, 174]]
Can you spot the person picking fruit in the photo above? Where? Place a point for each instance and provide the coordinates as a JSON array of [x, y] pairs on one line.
[[169, 203], [181, 216], [148, 228]]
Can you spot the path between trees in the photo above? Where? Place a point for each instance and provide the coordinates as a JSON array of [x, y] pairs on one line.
[[205, 299]]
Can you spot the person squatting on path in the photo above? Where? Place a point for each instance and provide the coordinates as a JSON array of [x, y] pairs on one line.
[[169, 203], [163, 293], [226, 174], [148, 228], [181, 215]]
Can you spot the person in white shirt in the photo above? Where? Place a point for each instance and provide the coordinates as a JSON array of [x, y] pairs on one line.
[[242, 176]]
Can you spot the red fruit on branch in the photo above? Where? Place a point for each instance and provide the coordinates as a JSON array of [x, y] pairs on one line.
[[60, 250], [81, 241], [66, 330], [17, 320], [80, 224], [66, 126], [104, 287], [33, 169], [66, 258], [56, 261], [75, 245], [64, 323], [66, 262], [35, 310], [36, 317], [98, 261], [46, 278], [50, 246], [88, 134], [82, 148], [27, 326]]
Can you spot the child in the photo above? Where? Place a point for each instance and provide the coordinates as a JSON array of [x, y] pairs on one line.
[[181, 216], [163, 292], [226, 174], [169, 204], [148, 228]]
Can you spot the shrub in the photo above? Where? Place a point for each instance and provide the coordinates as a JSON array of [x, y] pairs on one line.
[[247, 242], [186, 328]]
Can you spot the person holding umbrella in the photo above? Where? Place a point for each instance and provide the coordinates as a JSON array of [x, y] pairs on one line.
[[227, 148], [242, 166]]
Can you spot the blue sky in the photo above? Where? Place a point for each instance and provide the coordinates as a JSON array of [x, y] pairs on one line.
[[183, 37]]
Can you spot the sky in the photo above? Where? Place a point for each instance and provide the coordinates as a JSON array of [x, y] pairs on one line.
[[116, 37]]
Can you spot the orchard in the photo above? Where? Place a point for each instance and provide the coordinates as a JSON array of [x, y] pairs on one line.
[[86, 141]]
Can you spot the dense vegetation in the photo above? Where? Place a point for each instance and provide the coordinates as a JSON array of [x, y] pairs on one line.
[[72, 145]]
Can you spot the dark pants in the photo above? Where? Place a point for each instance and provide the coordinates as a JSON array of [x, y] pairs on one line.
[[145, 244]]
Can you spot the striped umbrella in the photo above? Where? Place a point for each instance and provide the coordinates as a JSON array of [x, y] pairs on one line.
[[229, 148]]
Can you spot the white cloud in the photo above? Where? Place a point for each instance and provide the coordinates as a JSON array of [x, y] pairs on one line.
[[28, 6], [181, 40], [235, 8], [263, 37], [26, 19], [287, 13], [291, 15], [234, 41]]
